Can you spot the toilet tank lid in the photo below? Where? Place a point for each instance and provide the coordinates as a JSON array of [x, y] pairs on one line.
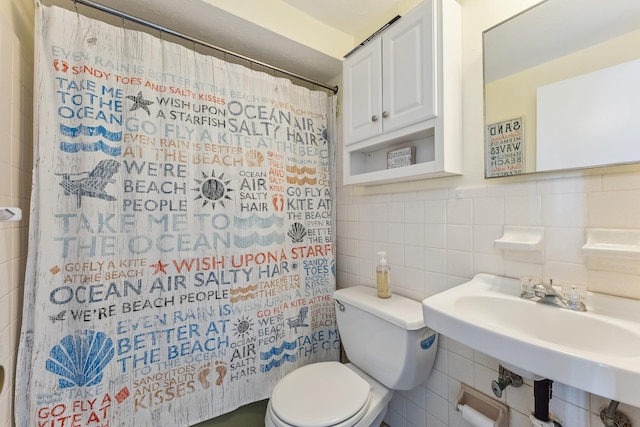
[[402, 312]]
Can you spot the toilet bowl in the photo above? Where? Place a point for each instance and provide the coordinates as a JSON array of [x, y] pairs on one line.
[[327, 394], [390, 349]]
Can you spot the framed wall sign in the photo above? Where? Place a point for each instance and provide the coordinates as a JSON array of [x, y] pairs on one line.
[[504, 148]]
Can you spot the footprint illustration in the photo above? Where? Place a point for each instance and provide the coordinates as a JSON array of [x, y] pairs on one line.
[[203, 374], [278, 202], [221, 369]]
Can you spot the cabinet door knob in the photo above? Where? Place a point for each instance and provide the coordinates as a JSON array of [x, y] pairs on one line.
[[374, 118], [385, 114]]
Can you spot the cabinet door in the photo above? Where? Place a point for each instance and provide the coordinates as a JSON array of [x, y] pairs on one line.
[[408, 73], [363, 93]]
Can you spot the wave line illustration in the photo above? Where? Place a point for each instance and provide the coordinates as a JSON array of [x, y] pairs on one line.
[[275, 363], [301, 170], [241, 290], [74, 132], [75, 147], [301, 180], [255, 220], [242, 298], [277, 351], [254, 238]]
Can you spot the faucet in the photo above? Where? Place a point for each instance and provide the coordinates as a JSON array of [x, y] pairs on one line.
[[547, 294]]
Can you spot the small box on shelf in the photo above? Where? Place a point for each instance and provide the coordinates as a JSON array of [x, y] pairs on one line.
[[401, 157]]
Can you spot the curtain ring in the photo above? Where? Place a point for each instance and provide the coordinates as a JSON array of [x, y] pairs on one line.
[[75, 5]]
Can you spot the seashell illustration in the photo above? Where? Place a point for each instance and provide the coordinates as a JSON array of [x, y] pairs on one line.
[[297, 232], [80, 359], [254, 158]]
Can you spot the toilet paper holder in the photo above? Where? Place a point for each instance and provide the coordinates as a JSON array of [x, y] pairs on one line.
[[485, 405]]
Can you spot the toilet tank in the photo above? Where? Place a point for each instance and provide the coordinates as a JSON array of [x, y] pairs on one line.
[[386, 338]]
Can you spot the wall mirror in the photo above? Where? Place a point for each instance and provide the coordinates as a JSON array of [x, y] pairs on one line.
[[562, 87]]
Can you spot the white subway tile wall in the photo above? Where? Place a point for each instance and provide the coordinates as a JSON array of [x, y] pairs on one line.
[[16, 111], [437, 239]]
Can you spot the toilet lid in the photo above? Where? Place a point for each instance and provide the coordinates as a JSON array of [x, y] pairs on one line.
[[319, 395]]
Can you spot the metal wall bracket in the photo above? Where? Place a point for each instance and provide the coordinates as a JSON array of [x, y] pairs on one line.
[[10, 214]]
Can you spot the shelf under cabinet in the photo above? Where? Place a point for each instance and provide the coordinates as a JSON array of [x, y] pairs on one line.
[[368, 162]]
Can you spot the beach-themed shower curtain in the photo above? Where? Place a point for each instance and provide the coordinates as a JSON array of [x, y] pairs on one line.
[[181, 254]]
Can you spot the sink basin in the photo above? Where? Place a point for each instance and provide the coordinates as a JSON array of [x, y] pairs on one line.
[[597, 350]]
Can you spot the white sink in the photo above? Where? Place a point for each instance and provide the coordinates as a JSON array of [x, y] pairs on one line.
[[597, 350]]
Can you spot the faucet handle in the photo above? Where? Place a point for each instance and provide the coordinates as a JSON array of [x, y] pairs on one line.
[[574, 293], [528, 285]]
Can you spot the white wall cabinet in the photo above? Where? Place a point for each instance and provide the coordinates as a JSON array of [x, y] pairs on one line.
[[384, 95], [403, 88]]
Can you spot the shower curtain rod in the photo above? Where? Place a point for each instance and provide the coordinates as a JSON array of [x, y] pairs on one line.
[[132, 18]]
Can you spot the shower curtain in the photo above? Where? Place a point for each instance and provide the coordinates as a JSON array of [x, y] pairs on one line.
[[181, 254]]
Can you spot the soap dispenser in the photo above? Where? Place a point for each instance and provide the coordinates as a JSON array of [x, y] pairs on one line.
[[382, 275]]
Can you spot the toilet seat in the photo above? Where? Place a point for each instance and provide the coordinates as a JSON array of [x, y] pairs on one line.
[[320, 395]]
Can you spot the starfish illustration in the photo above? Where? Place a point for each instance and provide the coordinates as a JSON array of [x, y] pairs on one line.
[[139, 102], [159, 267]]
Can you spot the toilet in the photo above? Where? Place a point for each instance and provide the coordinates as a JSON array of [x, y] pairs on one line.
[[389, 348]]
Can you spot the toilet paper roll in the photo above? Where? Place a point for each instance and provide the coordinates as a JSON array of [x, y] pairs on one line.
[[474, 417]]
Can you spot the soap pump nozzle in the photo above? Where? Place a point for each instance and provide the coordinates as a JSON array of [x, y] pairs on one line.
[[382, 255]]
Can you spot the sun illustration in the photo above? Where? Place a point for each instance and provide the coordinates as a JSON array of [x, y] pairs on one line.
[[213, 189], [243, 327], [323, 134]]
